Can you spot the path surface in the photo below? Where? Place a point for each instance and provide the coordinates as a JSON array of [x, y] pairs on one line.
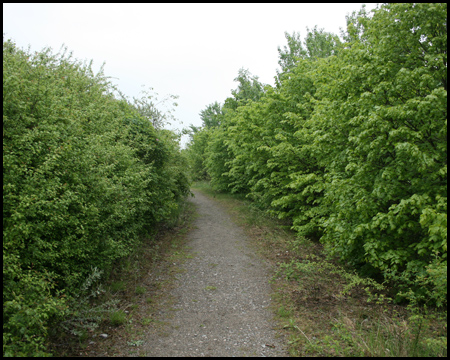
[[222, 298]]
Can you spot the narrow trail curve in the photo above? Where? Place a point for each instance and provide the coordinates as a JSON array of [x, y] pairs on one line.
[[222, 298]]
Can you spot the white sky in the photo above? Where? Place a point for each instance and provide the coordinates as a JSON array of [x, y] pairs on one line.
[[190, 50]]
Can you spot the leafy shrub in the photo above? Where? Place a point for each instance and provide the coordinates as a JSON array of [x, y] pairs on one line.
[[84, 177], [29, 302], [385, 139], [351, 145]]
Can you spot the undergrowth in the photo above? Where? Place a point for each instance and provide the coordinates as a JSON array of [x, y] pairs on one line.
[[120, 307]]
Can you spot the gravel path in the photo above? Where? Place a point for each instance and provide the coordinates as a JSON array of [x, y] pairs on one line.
[[222, 298]]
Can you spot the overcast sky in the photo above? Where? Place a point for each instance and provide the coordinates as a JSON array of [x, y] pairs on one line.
[[190, 50]]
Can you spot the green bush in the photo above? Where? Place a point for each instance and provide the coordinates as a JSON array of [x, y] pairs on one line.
[[381, 122], [84, 177], [351, 145]]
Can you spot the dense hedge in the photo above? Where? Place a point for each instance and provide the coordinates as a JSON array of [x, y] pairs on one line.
[[84, 177], [352, 147]]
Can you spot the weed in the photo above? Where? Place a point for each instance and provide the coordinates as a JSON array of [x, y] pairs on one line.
[[283, 312], [140, 290], [146, 321], [84, 315], [117, 286], [135, 342], [118, 318]]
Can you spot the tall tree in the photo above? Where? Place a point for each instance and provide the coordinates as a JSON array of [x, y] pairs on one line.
[[356, 25], [212, 115], [249, 88], [294, 50], [321, 44], [317, 44]]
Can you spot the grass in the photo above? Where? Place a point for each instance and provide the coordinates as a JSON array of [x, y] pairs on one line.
[[140, 290], [322, 308], [117, 286], [118, 318], [283, 312], [146, 321]]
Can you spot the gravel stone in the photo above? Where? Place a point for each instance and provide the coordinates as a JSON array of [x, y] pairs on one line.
[[222, 298]]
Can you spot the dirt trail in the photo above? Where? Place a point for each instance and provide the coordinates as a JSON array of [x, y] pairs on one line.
[[222, 298]]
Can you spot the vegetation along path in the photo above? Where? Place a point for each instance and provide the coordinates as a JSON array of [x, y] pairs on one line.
[[222, 297]]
